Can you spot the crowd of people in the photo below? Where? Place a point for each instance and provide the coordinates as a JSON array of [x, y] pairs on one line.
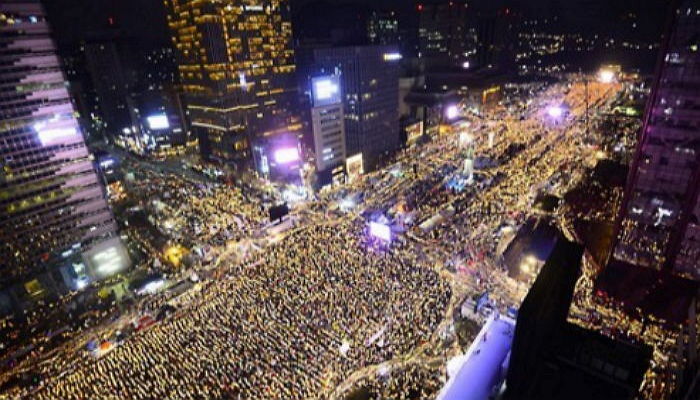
[[291, 321], [202, 213], [298, 317]]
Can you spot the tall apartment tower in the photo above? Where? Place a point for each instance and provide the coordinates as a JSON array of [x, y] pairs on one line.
[[52, 205], [659, 222], [369, 79], [236, 66]]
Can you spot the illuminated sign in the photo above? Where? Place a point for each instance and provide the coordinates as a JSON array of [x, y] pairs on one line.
[[151, 287], [392, 56], [380, 231], [157, 122], [107, 258], [414, 131], [326, 90], [49, 135], [354, 166], [285, 156]]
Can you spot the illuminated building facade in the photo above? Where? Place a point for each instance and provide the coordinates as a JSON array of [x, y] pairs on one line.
[[52, 205], [659, 223], [236, 66], [328, 126], [369, 79]]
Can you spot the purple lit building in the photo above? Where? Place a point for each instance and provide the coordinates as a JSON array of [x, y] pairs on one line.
[[659, 223], [53, 210]]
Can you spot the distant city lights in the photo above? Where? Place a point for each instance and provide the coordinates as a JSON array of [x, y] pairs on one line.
[[287, 155]]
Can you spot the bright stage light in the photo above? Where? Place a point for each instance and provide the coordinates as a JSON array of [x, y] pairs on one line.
[[380, 231], [151, 287], [606, 76], [452, 112], [466, 65], [285, 156], [555, 111]]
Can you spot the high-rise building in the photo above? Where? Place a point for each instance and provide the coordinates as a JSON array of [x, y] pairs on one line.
[[552, 358], [369, 78], [236, 66], [659, 222], [52, 205], [328, 126], [494, 25], [383, 28], [109, 62], [442, 31], [158, 124], [159, 69]]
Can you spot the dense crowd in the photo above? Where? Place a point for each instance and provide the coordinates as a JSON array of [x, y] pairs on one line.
[[203, 213], [297, 318], [290, 322]]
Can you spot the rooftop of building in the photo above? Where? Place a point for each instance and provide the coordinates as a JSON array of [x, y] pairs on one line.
[[637, 289]]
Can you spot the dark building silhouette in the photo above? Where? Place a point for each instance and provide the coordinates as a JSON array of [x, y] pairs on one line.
[[442, 32], [553, 359]]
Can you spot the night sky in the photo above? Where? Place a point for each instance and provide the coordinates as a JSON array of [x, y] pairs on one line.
[[144, 20]]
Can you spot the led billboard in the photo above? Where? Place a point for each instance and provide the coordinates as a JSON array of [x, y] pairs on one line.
[[107, 258], [286, 155], [326, 90], [158, 122]]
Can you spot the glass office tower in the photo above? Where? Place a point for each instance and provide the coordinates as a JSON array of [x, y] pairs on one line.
[[236, 65], [52, 204]]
